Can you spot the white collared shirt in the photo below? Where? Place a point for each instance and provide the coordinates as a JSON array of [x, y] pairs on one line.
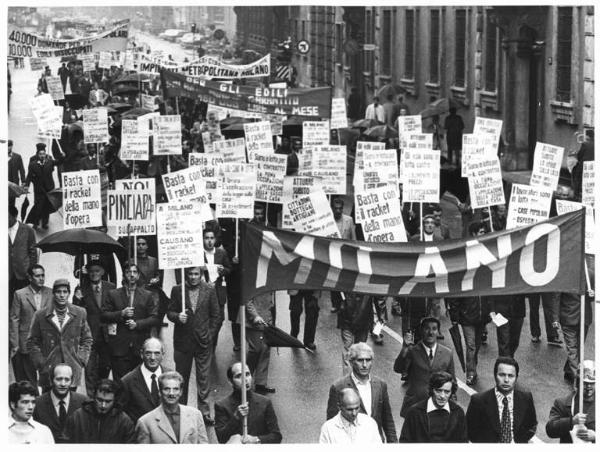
[[12, 231], [510, 397], [364, 391], [431, 406], [433, 349], [56, 402], [37, 297], [29, 432], [338, 430], [427, 237], [147, 374], [210, 256], [57, 323]]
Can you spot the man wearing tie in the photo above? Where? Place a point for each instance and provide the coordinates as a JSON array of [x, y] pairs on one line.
[[93, 293], [502, 414]]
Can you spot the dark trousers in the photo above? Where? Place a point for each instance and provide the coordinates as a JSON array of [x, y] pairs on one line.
[[40, 212], [550, 305], [121, 365], [258, 356], [509, 336], [23, 369], [215, 336], [311, 306], [202, 357], [236, 332], [98, 367], [472, 335], [336, 299]]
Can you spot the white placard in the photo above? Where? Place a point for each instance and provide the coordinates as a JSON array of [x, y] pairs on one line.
[[588, 184], [485, 182], [547, 161], [329, 163], [131, 206], [361, 148], [476, 147], [184, 185], [51, 124], [167, 135], [407, 125], [95, 125], [421, 175], [209, 165], [258, 137], [106, 60], [563, 207], [380, 167], [88, 61], [295, 187], [339, 118], [378, 211], [232, 151], [315, 133], [134, 140], [148, 102], [419, 140], [237, 193], [179, 229], [490, 126], [55, 88], [528, 205], [82, 200], [312, 215], [37, 64], [270, 170]]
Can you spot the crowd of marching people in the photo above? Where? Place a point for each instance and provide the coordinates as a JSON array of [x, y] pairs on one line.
[[106, 334]]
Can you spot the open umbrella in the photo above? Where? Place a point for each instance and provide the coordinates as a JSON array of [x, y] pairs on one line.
[[132, 79], [120, 106], [231, 120], [365, 123], [382, 131], [56, 199], [439, 107], [457, 341], [275, 337], [81, 241], [135, 113], [125, 89]]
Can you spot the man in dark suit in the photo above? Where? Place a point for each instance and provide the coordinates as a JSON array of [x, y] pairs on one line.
[[140, 386], [22, 253], [511, 307], [217, 266], [263, 427], [16, 170], [370, 388], [26, 302], [41, 173], [419, 361], [53, 407], [502, 414], [129, 313], [192, 337], [91, 296]]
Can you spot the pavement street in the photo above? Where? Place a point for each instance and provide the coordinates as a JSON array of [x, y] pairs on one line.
[[302, 379]]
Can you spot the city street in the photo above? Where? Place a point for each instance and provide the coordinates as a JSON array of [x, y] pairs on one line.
[[302, 379]]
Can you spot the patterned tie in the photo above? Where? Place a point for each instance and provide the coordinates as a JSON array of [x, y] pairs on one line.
[[97, 295], [62, 413], [505, 433], [430, 356], [154, 390]]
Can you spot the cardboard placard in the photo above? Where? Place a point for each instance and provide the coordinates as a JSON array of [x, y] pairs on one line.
[[588, 184], [167, 135], [490, 126], [231, 151], [55, 88], [95, 125], [547, 161], [329, 163], [315, 133], [378, 211], [82, 200], [184, 185], [270, 171], [312, 215], [295, 187], [485, 182], [339, 118], [179, 227], [209, 165], [380, 167], [131, 207], [407, 125], [134, 140], [258, 137], [528, 205], [421, 175], [237, 193], [361, 148]]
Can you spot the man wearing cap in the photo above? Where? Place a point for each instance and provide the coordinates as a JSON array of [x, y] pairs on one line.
[[567, 421], [41, 174], [59, 334], [91, 296]]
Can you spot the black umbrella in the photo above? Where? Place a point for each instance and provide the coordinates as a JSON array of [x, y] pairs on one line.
[[56, 199], [457, 341], [125, 89], [365, 123], [120, 107], [275, 337], [81, 241], [231, 120], [131, 78], [135, 113]]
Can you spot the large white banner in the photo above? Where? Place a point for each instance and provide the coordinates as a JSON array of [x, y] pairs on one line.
[[528, 205], [485, 182], [82, 200], [547, 161], [378, 211], [167, 135], [421, 175], [179, 235], [131, 207]]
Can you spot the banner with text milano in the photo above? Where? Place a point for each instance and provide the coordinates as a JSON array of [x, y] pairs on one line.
[[544, 257]]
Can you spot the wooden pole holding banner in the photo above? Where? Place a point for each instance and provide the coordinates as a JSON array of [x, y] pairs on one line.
[[135, 248], [128, 243], [491, 222], [182, 290], [242, 317], [421, 219], [581, 350], [97, 154]]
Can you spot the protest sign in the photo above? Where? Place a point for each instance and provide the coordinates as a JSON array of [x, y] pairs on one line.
[[208, 67], [476, 147], [488, 126], [209, 165], [179, 228], [295, 187], [361, 148], [167, 135], [42, 106], [421, 175], [563, 207], [270, 170], [105, 61], [312, 215], [380, 167], [315, 133], [50, 124], [419, 140], [485, 182], [95, 125], [88, 61], [207, 142], [528, 205], [184, 185], [329, 163], [134, 140], [55, 88], [588, 184], [82, 201], [378, 211], [406, 125], [547, 161], [131, 207], [37, 64], [231, 150], [258, 137], [276, 124], [148, 102], [237, 190], [339, 118]]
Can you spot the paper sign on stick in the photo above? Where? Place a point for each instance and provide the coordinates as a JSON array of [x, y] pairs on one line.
[[528, 205], [270, 170], [485, 182], [588, 184], [339, 118], [258, 137], [95, 125], [82, 201], [134, 140], [312, 215], [329, 163], [237, 192], [421, 175], [184, 185], [378, 211], [167, 135], [131, 207], [179, 228], [315, 133], [209, 166], [547, 161], [295, 187]]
